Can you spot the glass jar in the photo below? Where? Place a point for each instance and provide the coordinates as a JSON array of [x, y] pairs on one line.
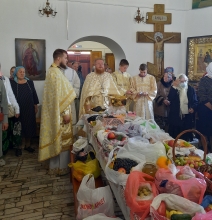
[[150, 169]]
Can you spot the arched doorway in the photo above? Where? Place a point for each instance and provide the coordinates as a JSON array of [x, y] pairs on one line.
[[111, 44]]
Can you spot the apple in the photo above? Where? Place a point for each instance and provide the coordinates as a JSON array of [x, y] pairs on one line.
[[200, 164], [196, 165], [203, 163], [111, 135], [192, 161], [192, 165], [208, 209], [122, 170], [171, 143], [123, 138], [206, 174]]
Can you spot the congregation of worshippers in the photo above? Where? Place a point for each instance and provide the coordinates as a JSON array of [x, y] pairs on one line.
[[173, 104]]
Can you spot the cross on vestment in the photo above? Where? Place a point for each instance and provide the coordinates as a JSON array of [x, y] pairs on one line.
[[159, 18]]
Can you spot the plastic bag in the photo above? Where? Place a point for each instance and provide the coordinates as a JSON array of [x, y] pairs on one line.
[[116, 110], [157, 135], [80, 144], [100, 216], [99, 126], [150, 151], [192, 189], [81, 169], [209, 159], [199, 216], [131, 130], [115, 176], [114, 142], [92, 201], [174, 202], [185, 173], [140, 207]]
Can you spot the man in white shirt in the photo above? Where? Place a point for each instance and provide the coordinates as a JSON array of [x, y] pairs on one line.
[[73, 78]]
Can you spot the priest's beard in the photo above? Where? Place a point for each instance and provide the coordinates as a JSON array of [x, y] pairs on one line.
[[99, 70], [63, 66]]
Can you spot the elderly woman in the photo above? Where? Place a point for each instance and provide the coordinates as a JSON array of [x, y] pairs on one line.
[[183, 103], [205, 104], [8, 138], [27, 98], [161, 105]]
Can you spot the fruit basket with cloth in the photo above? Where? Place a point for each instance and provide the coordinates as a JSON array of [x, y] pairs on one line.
[[195, 158]]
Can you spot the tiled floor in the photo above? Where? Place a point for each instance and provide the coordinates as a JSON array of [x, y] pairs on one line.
[[28, 192]]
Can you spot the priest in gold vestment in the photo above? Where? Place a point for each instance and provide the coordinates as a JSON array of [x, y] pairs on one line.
[[144, 88], [97, 88], [56, 125]]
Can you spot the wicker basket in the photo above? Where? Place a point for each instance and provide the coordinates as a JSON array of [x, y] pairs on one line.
[[203, 169], [203, 140]]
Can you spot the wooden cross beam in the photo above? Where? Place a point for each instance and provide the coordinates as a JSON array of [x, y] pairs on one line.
[[159, 18]]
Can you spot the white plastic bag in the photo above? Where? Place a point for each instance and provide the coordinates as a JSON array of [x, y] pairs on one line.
[[115, 176], [81, 143], [174, 202], [209, 159], [150, 151], [100, 216], [92, 201], [157, 135], [99, 126]]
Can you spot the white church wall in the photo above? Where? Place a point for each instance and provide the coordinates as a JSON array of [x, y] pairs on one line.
[[20, 19]]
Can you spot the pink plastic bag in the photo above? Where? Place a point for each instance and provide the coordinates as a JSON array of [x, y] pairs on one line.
[[192, 189], [200, 216], [139, 208]]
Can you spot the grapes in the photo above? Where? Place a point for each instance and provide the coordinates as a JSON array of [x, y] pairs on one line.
[[127, 164]]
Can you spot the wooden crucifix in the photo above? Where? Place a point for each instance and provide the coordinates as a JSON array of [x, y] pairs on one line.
[[159, 37]]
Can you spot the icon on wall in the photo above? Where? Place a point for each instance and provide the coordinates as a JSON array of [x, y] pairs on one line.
[[31, 53]]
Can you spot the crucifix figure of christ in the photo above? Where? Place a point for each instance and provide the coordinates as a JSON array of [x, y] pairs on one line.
[[159, 37]]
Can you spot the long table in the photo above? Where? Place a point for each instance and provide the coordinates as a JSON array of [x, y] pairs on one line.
[[118, 190]]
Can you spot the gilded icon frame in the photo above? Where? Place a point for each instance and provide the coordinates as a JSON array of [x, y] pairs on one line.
[[199, 51]]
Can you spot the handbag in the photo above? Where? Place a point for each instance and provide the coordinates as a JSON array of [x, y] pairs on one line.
[[11, 111]]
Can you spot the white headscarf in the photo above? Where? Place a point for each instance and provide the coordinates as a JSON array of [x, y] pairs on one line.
[[209, 70], [183, 96]]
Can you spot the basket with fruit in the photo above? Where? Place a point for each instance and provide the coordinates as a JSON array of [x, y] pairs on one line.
[[180, 144], [206, 170], [193, 160], [114, 139]]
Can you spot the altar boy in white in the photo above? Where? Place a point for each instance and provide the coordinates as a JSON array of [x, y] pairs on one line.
[[73, 78]]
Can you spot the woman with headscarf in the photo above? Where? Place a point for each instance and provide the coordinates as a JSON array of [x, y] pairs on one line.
[[161, 105], [205, 104], [27, 98], [183, 103]]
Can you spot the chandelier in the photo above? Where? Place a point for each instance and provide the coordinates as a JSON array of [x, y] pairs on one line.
[[48, 10], [138, 18]]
